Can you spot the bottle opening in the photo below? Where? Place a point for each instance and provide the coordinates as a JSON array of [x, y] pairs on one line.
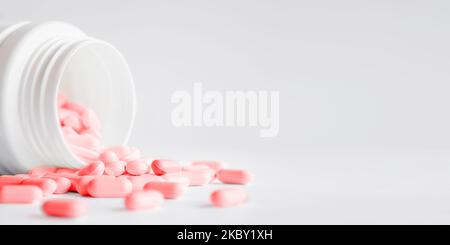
[[96, 76]]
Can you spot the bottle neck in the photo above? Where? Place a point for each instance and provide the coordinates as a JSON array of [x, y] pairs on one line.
[[38, 98]]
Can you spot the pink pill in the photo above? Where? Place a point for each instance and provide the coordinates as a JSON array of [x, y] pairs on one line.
[[90, 120], [73, 106], [108, 156], [120, 150], [64, 114], [179, 177], [20, 194], [234, 176], [170, 190], [74, 178], [106, 186], [11, 180], [48, 186], [41, 171], [214, 165], [66, 170], [228, 197], [139, 182], [115, 168], [85, 140], [73, 122], [94, 168], [67, 208], [137, 167], [62, 184], [82, 184], [134, 154], [68, 131], [199, 176], [161, 167], [144, 200]]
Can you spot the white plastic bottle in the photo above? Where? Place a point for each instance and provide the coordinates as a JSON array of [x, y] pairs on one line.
[[36, 61]]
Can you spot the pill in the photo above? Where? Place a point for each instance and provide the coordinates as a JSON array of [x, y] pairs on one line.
[[134, 154], [73, 122], [139, 182], [228, 197], [214, 165], [94, 168], [199, 176], [82, 184], [68, 208], [68, 131], [161, 167], [90, 120], [144, 200], [105, 186], [65, 170], [234, 176], [115, 168], [137, 167], [41, 171], [11, 179], [20, 194], [48, 186], [108, 156], [170, 190], [70, 176], [179, 177], [74, 106], [85, 140], [120, 150], [62, 184], [64, 114]]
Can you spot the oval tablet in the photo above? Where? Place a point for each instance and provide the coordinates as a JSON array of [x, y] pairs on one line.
[[108, 157], [48, 186], [161, 167], [20, 194], [199, 176], [62, 184], [105, 186], [120, 150], [139, 182], [179, 177], [68, 208], [94, 168], [115, 168], [170, 190], [137, 167], [228, 197], [12, 179], [234, 176], [82, 183], [144, 200]]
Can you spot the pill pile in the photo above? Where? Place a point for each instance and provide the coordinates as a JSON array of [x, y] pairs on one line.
[[114, 172]]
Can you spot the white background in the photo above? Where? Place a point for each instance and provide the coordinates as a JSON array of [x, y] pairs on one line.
[[364, 128]]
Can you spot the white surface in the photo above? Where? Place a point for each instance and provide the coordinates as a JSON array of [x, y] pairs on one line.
[[334, 187], [353, 76]]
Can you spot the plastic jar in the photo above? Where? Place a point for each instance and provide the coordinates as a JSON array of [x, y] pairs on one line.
[[37, 60]]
